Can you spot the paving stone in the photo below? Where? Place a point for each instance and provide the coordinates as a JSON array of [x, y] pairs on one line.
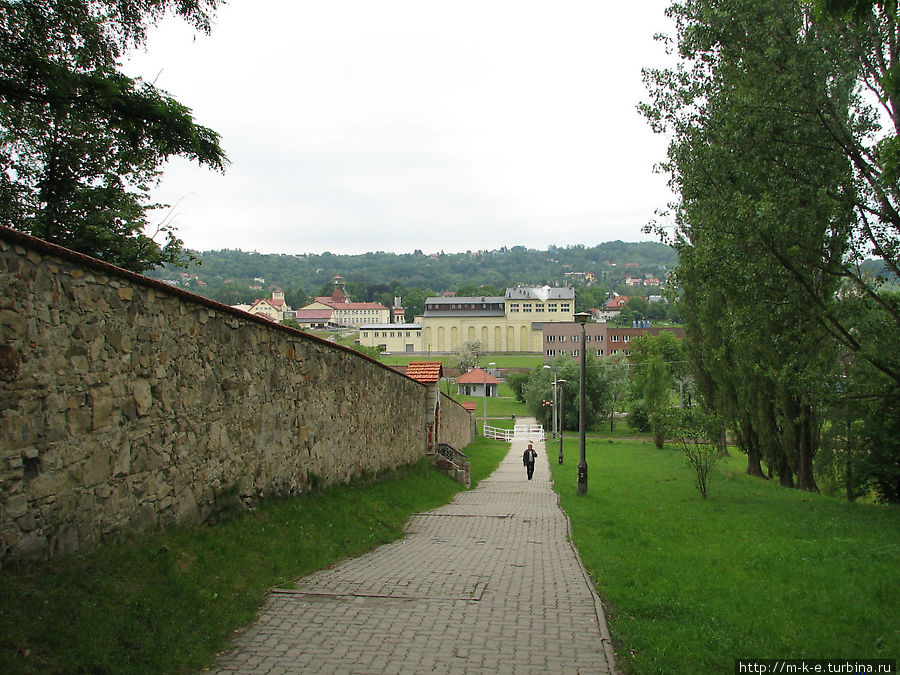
[[489, 583]]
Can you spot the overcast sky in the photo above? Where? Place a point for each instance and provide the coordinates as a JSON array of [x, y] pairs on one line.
[[395, 125]]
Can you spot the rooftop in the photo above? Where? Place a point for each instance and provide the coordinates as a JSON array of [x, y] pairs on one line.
[[427, 372], [477, 376]]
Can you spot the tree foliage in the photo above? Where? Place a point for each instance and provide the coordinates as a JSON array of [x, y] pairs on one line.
[[784, 184], [81, 144], [598, 389]]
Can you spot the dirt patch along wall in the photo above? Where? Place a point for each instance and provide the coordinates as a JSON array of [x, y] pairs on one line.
[[124, 403]]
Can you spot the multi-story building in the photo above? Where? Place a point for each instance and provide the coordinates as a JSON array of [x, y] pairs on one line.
[[509, 323], [347, 313], [392, 337], [601, 339], [512, 323], [273, 308]]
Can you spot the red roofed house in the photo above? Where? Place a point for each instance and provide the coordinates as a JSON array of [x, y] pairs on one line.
[[273, 308], [346, 313], [313, 318], [477, 382]]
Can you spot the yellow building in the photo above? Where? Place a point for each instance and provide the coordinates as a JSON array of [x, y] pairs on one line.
[[511, 323], [394, 338]]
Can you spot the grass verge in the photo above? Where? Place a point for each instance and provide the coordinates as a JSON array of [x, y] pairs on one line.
[[168, 601], [755, 571]]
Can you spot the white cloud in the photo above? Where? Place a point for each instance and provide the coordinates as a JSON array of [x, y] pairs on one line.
[[356, 126]]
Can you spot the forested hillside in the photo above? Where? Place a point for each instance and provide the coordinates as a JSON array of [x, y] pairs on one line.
[[233, 277]]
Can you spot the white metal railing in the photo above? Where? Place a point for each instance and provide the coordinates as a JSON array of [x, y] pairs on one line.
[[498, 433], [529, 432], [521, 432]]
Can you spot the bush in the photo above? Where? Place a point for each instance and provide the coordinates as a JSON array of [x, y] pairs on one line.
[[696, 432], [638, 417]]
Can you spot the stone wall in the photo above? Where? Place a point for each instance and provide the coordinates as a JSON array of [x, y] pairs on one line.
[[456, 425], [126, 403]]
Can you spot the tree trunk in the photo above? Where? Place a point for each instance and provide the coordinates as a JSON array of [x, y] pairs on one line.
[[805, 451], [723, 442]]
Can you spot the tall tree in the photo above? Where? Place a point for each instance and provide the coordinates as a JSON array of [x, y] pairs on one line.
[[81, 144], [766, 217]]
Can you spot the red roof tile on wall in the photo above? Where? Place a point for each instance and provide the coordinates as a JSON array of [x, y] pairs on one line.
[[427, 372]]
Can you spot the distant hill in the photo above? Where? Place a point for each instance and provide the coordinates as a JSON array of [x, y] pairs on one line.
[[232, 276]]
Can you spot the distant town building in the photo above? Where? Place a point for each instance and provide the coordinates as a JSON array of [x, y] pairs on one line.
[[509, 323], [272, 308], [477, 382], [346, 313], [601, 339], [393, 338]]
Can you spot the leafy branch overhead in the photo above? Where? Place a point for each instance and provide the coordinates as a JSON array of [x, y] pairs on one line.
[[81, 143]]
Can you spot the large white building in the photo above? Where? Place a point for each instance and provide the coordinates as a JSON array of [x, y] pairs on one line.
[[510, 323]]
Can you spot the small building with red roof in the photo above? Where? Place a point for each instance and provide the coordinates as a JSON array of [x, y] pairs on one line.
[[477, 382]]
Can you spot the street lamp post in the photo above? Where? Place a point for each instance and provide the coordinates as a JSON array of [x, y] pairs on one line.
[[582, 318], [484, 395], [554, 416], [562, 419]]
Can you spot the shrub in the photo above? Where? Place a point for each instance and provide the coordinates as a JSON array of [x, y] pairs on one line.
[[696, 432]]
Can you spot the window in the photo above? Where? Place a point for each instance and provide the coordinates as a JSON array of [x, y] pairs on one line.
[[514, 307], [562, 338], [551, 352], [599, 352], [574, 338], [613, 338], [526, 307], [551, 338], [552, 307], [574, 352], [627, 338], [539, 308]]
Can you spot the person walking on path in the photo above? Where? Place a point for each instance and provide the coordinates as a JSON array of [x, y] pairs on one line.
[[528, 459]]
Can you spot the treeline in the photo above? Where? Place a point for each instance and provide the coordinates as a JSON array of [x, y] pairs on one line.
[[228, 275], [784, 153]]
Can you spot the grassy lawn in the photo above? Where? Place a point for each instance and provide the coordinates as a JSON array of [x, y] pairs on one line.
[[167, 602], [755, 571]]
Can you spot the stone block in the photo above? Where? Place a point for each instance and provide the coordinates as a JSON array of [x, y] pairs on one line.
[[31, 547], [51, 483], [16, 506], [13, 325], [94, 470], [78, 420], [101, 402], [143, 397]]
